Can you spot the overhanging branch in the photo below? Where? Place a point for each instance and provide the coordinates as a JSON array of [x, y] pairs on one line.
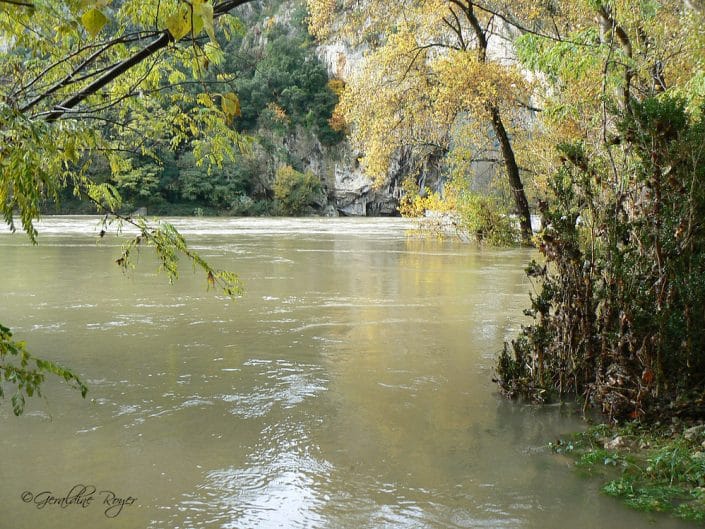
[[159, 43]]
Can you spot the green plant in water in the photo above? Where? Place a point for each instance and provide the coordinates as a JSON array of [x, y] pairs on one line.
[[480, 217], [652, 470], [484, 218], [621, 291]]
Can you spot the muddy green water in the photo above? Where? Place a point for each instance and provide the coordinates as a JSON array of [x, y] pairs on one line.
[[349, 388]]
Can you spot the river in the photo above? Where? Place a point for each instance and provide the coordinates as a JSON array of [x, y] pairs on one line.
[[349, 388]]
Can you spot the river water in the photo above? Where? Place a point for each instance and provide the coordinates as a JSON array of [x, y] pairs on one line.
[[350, 387]]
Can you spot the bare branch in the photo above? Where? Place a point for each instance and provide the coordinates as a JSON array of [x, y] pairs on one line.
[[104, 47], [524, 29], [457, 28]]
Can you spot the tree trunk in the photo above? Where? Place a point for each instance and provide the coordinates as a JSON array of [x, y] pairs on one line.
[[510, 164]]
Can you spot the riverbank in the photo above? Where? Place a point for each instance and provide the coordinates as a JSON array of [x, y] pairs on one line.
[[657, 468]]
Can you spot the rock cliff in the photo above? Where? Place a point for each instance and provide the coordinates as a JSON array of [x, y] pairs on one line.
[[349, 190]]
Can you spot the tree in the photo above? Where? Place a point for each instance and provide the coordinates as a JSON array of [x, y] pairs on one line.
[[283, 74], [430, 76], [92, 79]]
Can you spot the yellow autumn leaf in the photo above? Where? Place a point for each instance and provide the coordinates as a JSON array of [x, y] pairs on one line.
[[204, 10], [93, 20], [179, 23], [230, 104]]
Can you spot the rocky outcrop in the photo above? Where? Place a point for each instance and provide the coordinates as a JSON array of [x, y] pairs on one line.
[[355, 195], [352, 192], [349, 190], [340, 59]]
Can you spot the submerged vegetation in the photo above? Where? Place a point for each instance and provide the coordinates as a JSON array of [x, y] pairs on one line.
[[660, 468], [617, 317], [461, 212]]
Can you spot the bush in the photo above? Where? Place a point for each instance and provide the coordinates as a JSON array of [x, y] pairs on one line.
[[296, 191], [484, 219], [472, 215], [284, 84], [619, 315], [245, 206]]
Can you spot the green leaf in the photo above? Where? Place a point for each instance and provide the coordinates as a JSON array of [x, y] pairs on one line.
[[205, 100], [17, 403], [93, 20]]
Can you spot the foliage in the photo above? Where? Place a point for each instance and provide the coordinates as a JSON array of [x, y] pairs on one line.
[[416, 203], [295, 191], [656, 469], [139, 182], [621, 286], [482, 216], [428, 78], [282, 90], [217, 188], [283, 80], [469, 214], [27, 373], [243, 205], [89, 87]]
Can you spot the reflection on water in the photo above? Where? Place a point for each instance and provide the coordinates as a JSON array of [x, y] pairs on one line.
[[349, 388]]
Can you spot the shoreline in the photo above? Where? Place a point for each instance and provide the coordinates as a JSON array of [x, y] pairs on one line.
[[651, 468]]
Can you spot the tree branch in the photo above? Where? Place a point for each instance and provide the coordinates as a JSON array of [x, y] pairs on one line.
[[609, 23], [104, 46], [17, 3], [159, 43], [524, 29], [457, 28]]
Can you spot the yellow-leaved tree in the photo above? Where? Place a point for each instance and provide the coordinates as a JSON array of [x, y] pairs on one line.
[[435, 70]]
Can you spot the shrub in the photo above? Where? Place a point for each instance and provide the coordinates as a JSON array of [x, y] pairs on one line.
[[296, 191], [619, 315], [471, 214], [482, 217]]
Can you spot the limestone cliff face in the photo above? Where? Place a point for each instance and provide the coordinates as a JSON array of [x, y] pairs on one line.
[[340, 59], [352, 192], [348, 189]]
